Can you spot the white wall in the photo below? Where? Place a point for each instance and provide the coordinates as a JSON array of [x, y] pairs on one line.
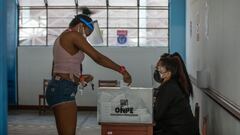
[[220, 122], [34, 64], [217, 51]]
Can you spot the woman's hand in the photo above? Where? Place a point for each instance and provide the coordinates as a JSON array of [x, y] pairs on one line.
[[87, 77], [127, 78]]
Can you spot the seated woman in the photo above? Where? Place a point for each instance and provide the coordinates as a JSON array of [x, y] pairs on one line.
[[172, 111]]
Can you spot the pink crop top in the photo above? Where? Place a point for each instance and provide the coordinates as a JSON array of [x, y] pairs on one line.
[[65, 62]]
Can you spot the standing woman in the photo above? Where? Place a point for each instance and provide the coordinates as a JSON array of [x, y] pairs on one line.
[[68, 53], [172, 111]]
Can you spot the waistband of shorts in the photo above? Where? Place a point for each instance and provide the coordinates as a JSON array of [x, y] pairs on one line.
[[57, 77]]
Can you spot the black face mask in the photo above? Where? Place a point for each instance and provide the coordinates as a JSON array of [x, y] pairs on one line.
[[157, 77]]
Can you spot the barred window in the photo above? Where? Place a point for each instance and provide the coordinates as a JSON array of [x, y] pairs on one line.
[[132, 23]]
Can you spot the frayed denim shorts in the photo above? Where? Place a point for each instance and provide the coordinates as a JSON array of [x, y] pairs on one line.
[[60, 91]]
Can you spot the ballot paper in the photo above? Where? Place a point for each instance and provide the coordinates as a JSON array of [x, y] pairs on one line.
[[125, 105]]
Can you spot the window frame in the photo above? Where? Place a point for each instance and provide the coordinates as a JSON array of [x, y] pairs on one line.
[[137, 8]]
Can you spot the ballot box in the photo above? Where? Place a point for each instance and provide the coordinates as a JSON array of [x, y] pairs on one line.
[[125, 105]]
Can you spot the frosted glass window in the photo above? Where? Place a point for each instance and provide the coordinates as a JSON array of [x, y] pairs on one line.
[[60, 17], [153, 37], [61, 2], [123, 2], [153, 2], [32, 36], [31, 3], [146, 25], [153, 18], [123, 18], [32, 18], [92, 2]]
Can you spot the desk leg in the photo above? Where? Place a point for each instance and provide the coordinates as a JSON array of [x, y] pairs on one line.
[[103, 129], [149, 130]]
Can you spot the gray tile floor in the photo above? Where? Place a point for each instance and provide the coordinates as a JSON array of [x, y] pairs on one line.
[[22, 122]]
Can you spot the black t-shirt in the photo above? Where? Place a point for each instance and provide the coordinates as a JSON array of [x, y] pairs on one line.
[[172, 111]]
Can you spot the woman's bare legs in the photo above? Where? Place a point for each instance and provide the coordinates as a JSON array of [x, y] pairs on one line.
[[66, 118]]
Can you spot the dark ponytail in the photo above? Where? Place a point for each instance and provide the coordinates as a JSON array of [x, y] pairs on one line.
[[175, 64], [189, 87], [181, 77]]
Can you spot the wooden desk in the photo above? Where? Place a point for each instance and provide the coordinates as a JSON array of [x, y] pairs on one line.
[[126, 129]]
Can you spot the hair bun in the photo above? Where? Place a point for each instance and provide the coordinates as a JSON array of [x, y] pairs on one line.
[[86, 11]]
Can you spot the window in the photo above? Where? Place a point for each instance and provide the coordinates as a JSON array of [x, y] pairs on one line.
[[132, 23], [32, 27]]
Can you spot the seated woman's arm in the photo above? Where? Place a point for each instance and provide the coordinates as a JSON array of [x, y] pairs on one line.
[[164, 98]]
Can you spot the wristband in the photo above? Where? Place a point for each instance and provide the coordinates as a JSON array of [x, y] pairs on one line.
[[122, 69]]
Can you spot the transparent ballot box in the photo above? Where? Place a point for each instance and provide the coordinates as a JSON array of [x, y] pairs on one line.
[[125, 105]]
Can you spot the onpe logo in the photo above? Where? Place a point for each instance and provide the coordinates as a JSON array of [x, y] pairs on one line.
[[124, 107]]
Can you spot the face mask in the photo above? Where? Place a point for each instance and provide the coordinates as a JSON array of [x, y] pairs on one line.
[[82, 30], [161, 76], [157, 77]]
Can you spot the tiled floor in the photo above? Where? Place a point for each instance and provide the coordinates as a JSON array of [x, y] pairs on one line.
[[30, 123]]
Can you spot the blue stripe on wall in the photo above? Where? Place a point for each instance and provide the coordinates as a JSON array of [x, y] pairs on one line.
[[177, 28], [11, 50], [3, 69]]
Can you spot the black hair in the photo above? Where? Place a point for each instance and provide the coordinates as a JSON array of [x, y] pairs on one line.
[[175, 64], [156, 75], [189, 84], [170, 65], [86, 11], [165, 55]]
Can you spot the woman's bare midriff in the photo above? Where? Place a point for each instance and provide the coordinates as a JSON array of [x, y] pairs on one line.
[[66, 76]]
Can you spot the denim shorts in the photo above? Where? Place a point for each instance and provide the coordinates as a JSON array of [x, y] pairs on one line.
[[60, 91]]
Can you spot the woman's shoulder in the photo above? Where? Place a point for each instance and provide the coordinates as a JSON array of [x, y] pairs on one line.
[[171, 83], [67, 33], [68, 36], [170, 86]]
